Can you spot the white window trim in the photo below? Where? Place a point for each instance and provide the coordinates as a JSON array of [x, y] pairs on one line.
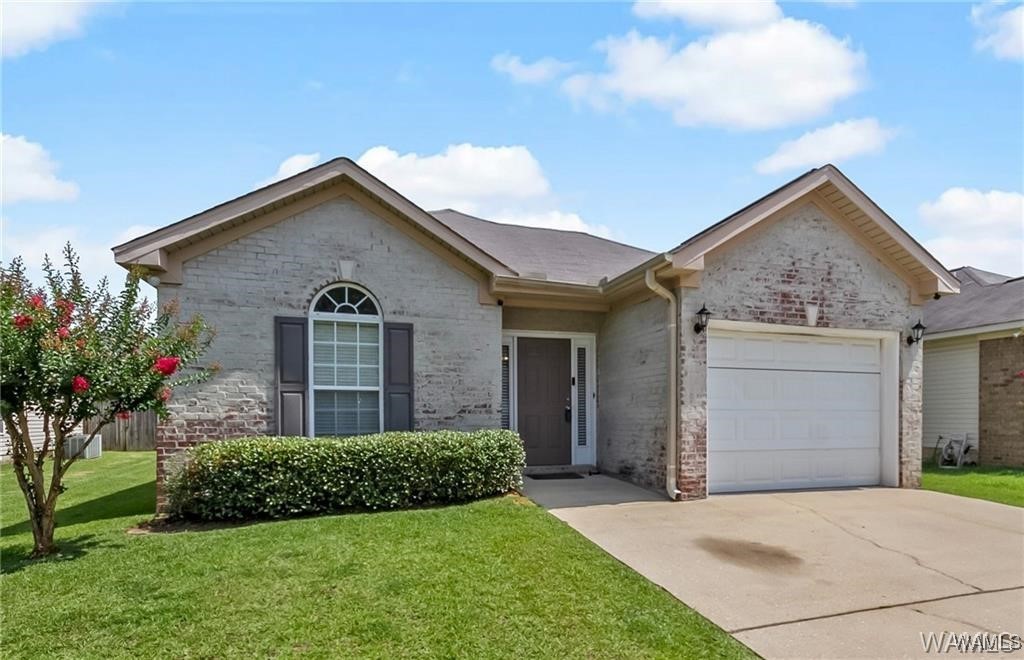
[[367, 319], [586, 455]]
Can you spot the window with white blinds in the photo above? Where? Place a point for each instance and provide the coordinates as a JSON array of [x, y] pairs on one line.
[[346, 362]]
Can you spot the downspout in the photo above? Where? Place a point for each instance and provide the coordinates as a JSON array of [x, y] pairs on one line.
[[671, 440]]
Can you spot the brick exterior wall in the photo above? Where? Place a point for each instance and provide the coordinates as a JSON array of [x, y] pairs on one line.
[[240, 287], [766, 277], [632, 395], [1001, 402]]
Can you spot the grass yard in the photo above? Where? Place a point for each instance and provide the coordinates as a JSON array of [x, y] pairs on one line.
[[496, 578], [1003, 485]]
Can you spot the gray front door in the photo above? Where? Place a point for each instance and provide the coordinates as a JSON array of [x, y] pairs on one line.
[[544, 389]]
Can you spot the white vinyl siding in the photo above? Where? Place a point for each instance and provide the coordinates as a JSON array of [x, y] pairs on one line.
[[36, 434], [950, 388], [791, 411]]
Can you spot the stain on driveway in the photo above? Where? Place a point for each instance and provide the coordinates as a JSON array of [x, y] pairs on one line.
[[750, 554]]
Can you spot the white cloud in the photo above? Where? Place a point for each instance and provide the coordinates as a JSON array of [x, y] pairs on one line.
[[975, 228], [831, 144], [504, 184], [28, 26], [95, 258], [714, 14], [551, 220], [542, 70], [767, 76], [1000, 30], [463, 176], [291, 166], [29, 174]]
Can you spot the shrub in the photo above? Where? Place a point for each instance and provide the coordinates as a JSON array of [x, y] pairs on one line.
[[282, 477]]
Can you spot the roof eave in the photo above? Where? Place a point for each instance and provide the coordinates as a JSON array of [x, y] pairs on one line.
[[167, 239]]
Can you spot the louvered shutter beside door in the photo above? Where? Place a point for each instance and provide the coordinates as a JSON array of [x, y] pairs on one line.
[[291, 374], [582, 388]]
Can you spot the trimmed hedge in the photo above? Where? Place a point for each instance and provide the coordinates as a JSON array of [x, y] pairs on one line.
[[273, 477]]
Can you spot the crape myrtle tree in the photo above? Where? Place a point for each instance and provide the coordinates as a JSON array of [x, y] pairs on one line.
[[68, 353]]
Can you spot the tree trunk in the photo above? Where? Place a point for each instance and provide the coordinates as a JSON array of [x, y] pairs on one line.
[[29, 467], [42, 533]]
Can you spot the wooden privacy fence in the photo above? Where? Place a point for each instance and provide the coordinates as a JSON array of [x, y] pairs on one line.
[[135, 434]]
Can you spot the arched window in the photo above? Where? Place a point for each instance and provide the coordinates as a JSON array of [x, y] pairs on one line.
[[347, 362]]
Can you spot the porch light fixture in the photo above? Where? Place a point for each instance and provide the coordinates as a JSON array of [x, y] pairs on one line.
[[703, 315], [916, 333]]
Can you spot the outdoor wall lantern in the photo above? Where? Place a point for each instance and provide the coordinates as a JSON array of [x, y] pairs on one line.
[[703, 315], [916, 333]]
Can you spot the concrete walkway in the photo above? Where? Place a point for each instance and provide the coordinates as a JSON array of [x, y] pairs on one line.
[[857, 573]]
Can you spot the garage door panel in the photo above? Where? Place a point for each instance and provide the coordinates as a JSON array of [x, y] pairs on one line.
[[758, 389], [757, 430], [780, 469], [794, 352], [792, 412]]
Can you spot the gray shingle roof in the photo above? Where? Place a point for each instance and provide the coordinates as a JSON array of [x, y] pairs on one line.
[[969, 275], [978, 304], [552, 254]]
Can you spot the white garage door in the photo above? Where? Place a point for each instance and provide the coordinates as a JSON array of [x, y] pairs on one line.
[[792, 411]]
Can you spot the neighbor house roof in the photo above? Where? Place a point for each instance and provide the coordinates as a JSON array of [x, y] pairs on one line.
[[546, 254], [969, 275], [979, 306]]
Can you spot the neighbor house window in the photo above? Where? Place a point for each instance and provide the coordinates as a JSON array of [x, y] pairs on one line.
[[345, 324]]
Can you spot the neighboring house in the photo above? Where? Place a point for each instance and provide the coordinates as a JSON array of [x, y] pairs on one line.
[[35, 430], [973, 351], [341, 307]]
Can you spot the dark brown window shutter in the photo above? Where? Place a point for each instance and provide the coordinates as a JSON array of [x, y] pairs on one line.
[[291, 360], [398, 377]]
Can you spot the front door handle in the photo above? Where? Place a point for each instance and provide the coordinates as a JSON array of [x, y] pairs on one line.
[[568, 413]]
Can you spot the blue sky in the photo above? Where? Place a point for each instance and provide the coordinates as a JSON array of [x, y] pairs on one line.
[[644, 123]]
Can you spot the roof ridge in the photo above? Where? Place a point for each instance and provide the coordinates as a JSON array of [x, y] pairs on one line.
[[237, 198], [561, 231]]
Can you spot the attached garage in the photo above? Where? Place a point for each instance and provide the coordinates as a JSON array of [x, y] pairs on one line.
[[794, 411]]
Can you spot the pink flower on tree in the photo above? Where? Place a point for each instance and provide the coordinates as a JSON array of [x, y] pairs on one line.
[[167, 365], [63, 332], [79, 384], [22, 321], [165, 394], [1020, 374], [123, 415], [66, 308], [36, 301]]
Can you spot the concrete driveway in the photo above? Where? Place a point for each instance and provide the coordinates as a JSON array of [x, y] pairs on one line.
[[815, 574]]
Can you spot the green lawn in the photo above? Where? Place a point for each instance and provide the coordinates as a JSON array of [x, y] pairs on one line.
[[1004, 485], [499, 578]]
